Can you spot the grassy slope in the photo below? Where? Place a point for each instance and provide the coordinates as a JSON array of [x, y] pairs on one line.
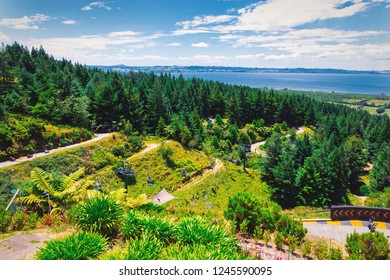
[[212, 194], [165, 173], [65, 161]]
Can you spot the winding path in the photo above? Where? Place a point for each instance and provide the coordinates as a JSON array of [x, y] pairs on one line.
[[254, 146], [23, 159]]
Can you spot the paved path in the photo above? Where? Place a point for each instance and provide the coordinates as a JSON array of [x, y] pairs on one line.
[[338, 230], [22, 246], [23, 159], [254, 146]]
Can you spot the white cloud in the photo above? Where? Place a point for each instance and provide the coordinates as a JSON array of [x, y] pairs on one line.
[[181, 32], [285, 14], [301, 37], [249, 56], [204, 20], [26, 22], [4, 37], [91, 5], [282, 56], [113, 46], [200, 45], [173, 44], [205, 59], [123, 33], [69, 22]]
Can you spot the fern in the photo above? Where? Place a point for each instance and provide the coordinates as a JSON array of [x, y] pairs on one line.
[[42, 180], [30, 199]]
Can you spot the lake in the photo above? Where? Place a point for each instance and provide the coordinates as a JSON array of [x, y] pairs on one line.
[[342, 83]]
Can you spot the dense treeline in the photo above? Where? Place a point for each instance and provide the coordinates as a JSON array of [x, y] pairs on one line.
[[315, 171]]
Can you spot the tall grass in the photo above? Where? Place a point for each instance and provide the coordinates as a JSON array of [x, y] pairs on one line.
[[137, 224], [79, 246], [100, 215]]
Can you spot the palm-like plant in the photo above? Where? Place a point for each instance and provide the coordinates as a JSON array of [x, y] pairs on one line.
[[62, 190]]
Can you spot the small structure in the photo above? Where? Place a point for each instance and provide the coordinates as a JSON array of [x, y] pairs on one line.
[[162, 197]]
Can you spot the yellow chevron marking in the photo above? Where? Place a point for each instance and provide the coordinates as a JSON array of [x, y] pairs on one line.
[[352, 212], [356, 223], [336, 223], [386, 214], [381, 225]]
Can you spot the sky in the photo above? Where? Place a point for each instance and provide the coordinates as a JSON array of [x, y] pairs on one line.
[[353, 34]]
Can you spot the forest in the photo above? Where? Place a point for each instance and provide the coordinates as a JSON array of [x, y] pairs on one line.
[[320, 169]]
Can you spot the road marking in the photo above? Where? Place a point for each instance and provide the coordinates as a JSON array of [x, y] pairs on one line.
[[335, 223], [381, 225], [356, 223]]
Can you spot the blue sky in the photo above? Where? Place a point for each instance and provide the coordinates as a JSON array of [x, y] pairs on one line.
[[343, 34]]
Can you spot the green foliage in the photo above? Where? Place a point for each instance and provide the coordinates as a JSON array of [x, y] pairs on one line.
[[146, 247], [320, 250], [197, 231], [364, 190], [292, 230], [62, 190], [19, 220], [247, 213], [136, 225], [367, 246], [32, 219], [100, 215], [202, 252], [380, 173], [78, 246], [380, 110], [5, 220], [243, 208], [335, 254], [306, 248], [21, 135]]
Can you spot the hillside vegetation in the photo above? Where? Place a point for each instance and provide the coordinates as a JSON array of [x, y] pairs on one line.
[[189, 137]]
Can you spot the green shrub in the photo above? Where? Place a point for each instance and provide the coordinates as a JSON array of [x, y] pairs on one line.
[[147, 247], [278, 239], [32, 219], [133, 225], [18, 221], [247, 212], [320, 250], [100, 215], [292, 230], [306, 248], [243, 209], [202, 252], [138, 224], [79, 246], [197, 231], [118, 150], [367, 246], [5, 220], [116, 253], [335, 254], [364, 190]]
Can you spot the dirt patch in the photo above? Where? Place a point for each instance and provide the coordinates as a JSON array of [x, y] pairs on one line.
[[24, 245]]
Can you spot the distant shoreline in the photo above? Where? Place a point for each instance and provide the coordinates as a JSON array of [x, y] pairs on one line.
[[223, 69]]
